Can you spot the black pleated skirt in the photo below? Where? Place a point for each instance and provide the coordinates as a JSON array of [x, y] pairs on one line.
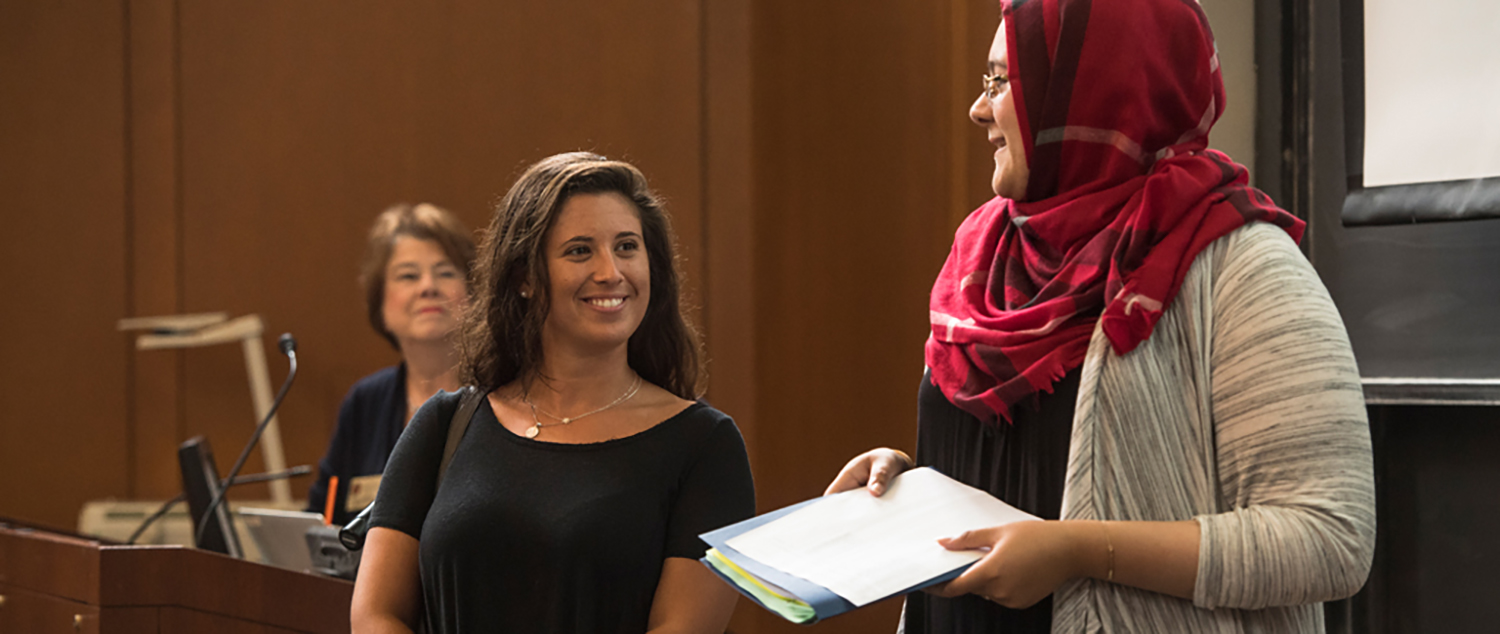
[[1024, 464]]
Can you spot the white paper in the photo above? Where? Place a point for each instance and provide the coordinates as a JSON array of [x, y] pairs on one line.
[[1432, 91], [865, 548]]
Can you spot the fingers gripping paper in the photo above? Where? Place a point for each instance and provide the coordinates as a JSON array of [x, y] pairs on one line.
[[865, 548]]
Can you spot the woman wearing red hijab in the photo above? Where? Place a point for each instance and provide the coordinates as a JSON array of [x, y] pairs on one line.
[[1127, 340]]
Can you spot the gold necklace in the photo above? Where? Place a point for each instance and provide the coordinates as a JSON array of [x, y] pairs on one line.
[[537, 425]]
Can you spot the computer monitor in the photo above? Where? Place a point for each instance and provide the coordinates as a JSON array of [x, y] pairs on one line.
[[200, 483]]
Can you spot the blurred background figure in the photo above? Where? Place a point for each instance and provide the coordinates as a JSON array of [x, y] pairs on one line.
[[414, 274]]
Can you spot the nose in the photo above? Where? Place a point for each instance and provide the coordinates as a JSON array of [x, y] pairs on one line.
[[981, 112], [429, 286], [607, 270]]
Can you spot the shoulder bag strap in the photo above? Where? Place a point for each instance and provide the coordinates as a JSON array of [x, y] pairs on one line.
[[467, 405]]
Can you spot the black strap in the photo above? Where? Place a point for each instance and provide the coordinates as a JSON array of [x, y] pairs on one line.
[[466, 406], [353, 534]]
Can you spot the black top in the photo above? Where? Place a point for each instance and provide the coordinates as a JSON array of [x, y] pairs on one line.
[[529, 536], [1024, 464], [370, 421]]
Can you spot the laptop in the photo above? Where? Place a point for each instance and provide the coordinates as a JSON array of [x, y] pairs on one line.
[[281, 535]]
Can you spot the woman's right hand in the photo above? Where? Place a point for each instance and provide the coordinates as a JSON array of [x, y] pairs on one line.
[[872, 469]]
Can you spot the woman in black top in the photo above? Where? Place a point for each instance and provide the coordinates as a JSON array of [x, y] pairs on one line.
[[574, 501]]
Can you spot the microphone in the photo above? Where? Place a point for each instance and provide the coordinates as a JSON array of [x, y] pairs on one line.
[[288, 346], [300, 470]]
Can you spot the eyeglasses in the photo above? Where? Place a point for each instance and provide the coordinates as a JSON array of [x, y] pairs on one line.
[[994, 85]]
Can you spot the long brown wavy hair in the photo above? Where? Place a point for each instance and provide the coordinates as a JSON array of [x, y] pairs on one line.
[[502, 331]]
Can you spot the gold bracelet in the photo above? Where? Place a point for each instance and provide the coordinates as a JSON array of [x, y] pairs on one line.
[[909, 462], [1109, 544]]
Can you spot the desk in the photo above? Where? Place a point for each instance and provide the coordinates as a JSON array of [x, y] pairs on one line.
[[54, 582]]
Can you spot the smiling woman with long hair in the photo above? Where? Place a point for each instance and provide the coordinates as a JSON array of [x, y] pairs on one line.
[[575, 499]]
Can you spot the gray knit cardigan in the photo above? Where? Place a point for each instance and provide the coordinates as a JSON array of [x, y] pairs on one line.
[[1244, 411]]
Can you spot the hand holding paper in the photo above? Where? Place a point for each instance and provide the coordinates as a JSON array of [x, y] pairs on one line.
[[872, 469], [850, 549], [1024, 562]]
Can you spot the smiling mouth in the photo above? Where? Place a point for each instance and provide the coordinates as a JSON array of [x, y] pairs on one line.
[[606, 302]]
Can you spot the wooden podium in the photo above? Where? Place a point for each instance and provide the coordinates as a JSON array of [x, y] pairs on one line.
[[54, 582]]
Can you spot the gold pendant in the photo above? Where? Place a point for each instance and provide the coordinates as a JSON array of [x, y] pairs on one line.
[[531, 433]]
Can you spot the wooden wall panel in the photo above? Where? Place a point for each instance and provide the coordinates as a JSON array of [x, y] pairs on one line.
[[155, 245], [62, 365], [729, 211], [852, 223], [861, 124]]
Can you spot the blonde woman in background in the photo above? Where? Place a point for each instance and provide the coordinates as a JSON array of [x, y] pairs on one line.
[[414, 275]]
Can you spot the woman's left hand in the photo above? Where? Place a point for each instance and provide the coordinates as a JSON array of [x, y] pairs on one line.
[[1026, 561]]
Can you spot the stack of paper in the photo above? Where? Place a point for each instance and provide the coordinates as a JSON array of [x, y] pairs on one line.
[[833, 554]]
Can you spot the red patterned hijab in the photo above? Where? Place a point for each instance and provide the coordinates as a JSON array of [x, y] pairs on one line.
[[1115, 99]]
